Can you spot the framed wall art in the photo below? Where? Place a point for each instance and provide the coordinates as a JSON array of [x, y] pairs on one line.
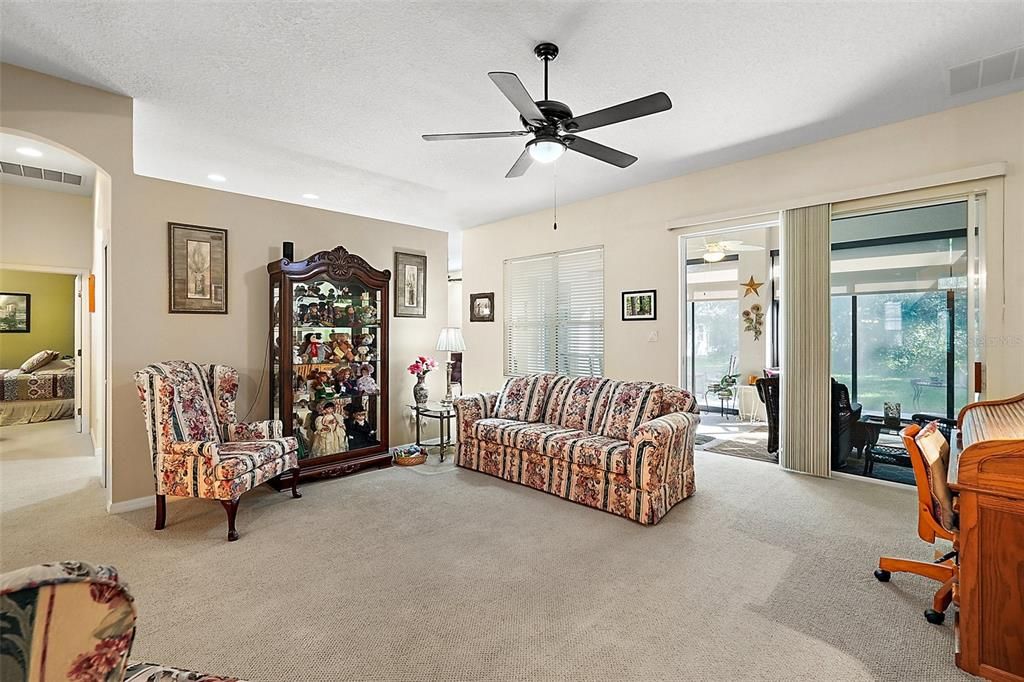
[[639, 305], [15, 313], [197, 269], [481, 307], [410, 285]]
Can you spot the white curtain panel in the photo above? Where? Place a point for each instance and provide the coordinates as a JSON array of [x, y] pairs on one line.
[[805, 385]]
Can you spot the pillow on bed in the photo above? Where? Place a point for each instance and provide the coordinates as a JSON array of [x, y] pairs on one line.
[[40, 359]]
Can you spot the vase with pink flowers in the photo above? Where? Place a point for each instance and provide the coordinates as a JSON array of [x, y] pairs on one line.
[[420, 368]]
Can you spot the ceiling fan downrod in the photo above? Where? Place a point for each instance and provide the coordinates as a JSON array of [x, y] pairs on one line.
[[546, 52]]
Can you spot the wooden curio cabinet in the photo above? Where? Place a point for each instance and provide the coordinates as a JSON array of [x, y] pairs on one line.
[[329, 361]]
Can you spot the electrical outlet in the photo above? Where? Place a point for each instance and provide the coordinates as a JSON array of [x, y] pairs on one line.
[[652, 337]]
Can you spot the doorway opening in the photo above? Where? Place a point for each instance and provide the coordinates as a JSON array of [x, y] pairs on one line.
[[729, 341], [54, 224]]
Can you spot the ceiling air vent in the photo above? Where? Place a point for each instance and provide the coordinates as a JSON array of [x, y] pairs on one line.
[[40, 173], [987, 72]]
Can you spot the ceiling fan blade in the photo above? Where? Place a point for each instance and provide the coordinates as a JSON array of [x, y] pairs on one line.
[[515, 91], [744, 247], [644, 106], [599, 151], [519, 167], [473, 136]]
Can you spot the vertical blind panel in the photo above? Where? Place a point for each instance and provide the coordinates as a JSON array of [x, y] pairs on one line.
[[554, 313], [805, 386]]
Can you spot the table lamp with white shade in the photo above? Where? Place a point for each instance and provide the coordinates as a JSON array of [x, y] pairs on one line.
[[450, 341]]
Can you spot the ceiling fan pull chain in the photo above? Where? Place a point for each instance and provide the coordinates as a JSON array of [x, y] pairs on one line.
[[555, 170]]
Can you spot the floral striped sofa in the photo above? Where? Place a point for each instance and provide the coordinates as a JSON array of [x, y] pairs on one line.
[[76, 622], [622, 446]]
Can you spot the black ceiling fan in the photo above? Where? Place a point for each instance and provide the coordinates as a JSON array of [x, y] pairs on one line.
[[553, 125]]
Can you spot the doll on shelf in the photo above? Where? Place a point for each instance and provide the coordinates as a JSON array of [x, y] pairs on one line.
[[323, 387], [312, 347], [302, 314], [360, 433], [351, 318], [344, 383], [313, 315], [328, 432], [338, 318], [366, 383]]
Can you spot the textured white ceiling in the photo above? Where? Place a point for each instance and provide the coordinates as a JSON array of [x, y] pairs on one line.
[[331, 98]]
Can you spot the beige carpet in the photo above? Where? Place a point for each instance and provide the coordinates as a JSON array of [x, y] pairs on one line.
[[445, 574]]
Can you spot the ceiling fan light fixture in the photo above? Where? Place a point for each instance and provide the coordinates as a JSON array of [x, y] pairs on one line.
[[714, 256], [545, 149]]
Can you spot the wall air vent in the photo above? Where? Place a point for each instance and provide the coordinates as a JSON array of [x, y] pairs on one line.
[[984, 73], [25, 171]]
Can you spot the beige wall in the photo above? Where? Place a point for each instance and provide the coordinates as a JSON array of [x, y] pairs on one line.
[[98, 126], [640, 253], [43, 228]]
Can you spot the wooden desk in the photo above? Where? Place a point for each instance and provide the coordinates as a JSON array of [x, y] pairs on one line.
[[988, 475]]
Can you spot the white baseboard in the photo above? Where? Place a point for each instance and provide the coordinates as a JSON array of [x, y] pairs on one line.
[[131, 505], [874, 481]]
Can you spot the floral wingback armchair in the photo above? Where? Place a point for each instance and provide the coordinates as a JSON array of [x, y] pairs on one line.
[[76, 622], [198, 447]]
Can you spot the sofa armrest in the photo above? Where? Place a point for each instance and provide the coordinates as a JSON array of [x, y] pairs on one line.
[[206, 450], [662, 448], [470, 408], [267, 429]]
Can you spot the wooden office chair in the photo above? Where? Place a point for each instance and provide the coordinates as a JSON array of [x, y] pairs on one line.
[[935, 518]]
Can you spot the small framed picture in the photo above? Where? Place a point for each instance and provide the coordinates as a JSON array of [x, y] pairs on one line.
[[639, 305], [481, 307], [197, 269], [15, 313], [410, 285]]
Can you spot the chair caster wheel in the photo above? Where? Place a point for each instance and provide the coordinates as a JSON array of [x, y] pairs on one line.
[[882, 576], [934, 617]]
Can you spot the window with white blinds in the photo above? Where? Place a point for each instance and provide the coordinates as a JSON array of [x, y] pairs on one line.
[[554, 313]]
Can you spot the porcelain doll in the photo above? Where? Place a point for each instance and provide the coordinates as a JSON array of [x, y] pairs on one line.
[[328, 432], [313, 315], [323, 387], [352, 320], [360, 433], [338, 316], [366, 383], [344, 384]]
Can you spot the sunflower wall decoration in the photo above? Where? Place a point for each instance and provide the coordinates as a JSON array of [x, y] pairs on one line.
[[753, 320]]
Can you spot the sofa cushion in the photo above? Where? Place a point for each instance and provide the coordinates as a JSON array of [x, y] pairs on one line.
[[242, 457], [675, 399], [524, 398], [581, 404], [598, 452], [632, 403], [517, 434]]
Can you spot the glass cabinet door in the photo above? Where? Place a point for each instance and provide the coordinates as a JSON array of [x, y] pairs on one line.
[[335, 359]]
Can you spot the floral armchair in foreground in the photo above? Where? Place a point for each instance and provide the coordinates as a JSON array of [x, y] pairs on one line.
[[76, 622], [198, 448]]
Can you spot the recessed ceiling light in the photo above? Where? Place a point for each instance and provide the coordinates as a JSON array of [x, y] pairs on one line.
[[307, 195], [216, 177], [29, 151]]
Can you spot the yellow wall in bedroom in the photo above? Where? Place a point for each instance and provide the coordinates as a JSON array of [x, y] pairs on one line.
[[52, 315]]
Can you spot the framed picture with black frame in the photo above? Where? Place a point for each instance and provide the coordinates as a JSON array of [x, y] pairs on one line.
[[197, 269], [639, 305], [15, 313], [410, 285], [481, 307]]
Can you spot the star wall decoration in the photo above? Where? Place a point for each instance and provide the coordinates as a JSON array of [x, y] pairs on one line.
[[751, 287]]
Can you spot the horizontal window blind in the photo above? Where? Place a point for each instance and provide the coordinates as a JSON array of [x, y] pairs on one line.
[[554, 313]]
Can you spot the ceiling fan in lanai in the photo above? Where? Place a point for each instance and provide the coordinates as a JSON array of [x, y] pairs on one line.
[[551, 125]]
